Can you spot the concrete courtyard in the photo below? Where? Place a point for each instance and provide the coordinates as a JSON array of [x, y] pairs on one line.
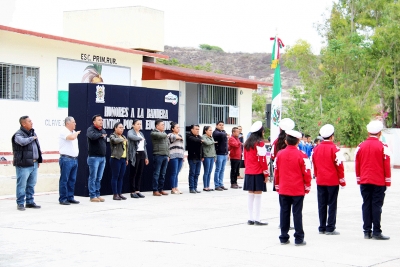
[[207, 229]]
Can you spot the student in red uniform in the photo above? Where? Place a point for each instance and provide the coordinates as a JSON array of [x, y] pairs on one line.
[[256, 172], [235, 154], [329, 173], [285, 124], [373, 175], [292, 182]]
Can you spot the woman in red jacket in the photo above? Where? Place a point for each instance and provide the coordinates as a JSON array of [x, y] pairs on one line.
[[256, 172]]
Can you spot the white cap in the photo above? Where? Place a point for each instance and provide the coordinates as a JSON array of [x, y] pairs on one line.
[[294, 133], [286, 124], [374, 127], [327, 130], [256, 126]]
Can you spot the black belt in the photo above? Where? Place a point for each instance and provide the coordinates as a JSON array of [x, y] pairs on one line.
[[62, 155]]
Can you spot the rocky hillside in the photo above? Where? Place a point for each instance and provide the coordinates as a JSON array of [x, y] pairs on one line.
[[237, 64]]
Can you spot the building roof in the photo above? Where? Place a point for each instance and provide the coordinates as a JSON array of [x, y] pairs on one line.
[[154, 71], [74, 41]]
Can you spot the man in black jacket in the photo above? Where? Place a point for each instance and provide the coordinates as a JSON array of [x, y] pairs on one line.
[[96, 138], [195, 154], [221, 147], [27, 157]]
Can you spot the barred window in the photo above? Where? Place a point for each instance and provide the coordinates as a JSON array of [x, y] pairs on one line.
[[19, 82], [214, 102]]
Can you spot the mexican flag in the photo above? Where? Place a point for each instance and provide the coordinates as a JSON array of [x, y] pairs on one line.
[[276, 105]]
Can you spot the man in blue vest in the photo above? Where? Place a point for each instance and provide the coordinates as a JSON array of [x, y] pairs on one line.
[[27, 157]]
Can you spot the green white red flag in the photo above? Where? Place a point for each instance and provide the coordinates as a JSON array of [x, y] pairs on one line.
[[276, 104]]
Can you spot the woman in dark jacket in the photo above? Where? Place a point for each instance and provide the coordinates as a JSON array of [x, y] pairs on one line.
[[118, 160], [137, 156]]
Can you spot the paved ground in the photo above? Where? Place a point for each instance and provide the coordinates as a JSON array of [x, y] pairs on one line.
[[207, 229]]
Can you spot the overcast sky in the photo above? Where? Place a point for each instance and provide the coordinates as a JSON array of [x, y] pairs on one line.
[[235, 26]]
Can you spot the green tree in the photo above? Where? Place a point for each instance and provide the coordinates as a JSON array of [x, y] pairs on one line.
[[210, 47]]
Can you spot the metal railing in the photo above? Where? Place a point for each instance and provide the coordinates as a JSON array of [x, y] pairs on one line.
[[214, 102], [19, 82]]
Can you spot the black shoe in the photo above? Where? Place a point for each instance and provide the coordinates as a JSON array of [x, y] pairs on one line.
[[367, 235], [380, 237], [250, 222], [116, 197], [20, 207], [73, 201], [224, 188], [140, 195], [65, 203], [260, 223], [134, 195], [193, 191], [219, 189], [285, 243], [197, 191], [122, 197], [301, 244], [32, 205]]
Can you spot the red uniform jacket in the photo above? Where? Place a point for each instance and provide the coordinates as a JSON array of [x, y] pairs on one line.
[[292, 172], [235, 148], [255, 160], [373, 163], [328, 164]]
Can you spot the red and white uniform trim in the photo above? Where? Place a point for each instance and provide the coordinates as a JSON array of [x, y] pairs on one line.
[[372, 159], [292, 172], [328, 164], [255, 160]]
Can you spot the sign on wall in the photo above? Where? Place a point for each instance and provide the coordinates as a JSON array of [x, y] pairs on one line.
[[118, 104], [74, 71]]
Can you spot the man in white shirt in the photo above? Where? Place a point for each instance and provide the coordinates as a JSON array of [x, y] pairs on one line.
[[69, 151]]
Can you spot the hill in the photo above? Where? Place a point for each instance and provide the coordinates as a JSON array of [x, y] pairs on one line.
[[247, 65]]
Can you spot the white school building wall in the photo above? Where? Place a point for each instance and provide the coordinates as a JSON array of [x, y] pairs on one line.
[[42, 53]]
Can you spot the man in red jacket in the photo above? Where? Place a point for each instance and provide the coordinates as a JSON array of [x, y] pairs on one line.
[[235, 154], [292, 182], [373, 175], [329, 173]]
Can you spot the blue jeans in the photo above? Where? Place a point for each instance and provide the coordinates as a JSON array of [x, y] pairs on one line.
[[160, 163], [68, 170], [176, 165], [208, 164], [96, 169], [219, 170], [26, 181], [118, 167], [194, 172]]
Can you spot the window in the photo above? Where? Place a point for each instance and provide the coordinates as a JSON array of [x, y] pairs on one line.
[[19, 82], [214, 102]]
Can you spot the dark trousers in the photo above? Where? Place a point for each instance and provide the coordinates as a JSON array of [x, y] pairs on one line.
[[235, 166], [118, 167], [287, 202], [136, 174], [160, 164], [327, 198], [373, 196]]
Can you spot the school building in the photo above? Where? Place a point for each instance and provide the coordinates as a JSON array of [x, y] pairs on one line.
[[36, 69]]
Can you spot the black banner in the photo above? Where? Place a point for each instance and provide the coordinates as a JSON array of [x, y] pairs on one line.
[[118, 103]]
